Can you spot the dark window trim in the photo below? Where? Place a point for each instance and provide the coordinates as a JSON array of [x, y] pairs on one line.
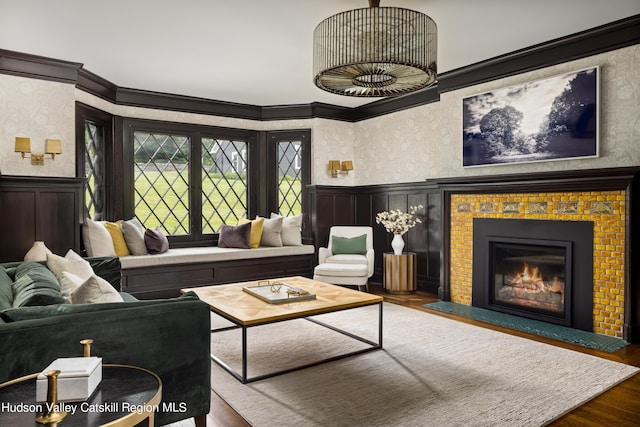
[[196, 133], [272, 139], [105, 121]]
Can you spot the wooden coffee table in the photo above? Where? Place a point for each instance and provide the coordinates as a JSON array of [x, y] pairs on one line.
[[246, 311]]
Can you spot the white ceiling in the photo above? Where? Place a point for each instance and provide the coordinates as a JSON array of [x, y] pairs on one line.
[[259, 52]]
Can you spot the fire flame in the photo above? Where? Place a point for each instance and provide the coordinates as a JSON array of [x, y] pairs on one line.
[[531, 279]]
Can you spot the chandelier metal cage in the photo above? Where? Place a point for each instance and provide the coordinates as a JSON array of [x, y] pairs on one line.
[[375, 52]]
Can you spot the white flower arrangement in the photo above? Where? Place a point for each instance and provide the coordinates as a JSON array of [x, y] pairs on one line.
[[398, 222]]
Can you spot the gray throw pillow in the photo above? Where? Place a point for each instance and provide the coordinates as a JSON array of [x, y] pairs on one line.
[[235, 236], [92, 290], [134, 236], [156, 241], [271, 230], [291, 229]]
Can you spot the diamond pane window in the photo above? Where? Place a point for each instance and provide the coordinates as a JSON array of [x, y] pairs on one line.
[[161, 181], [94, 171], [224, 183], [289, 178]]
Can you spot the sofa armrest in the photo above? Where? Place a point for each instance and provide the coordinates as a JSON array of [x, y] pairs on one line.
[[371, 260], [108, 268], [169, 337], [323, 254]]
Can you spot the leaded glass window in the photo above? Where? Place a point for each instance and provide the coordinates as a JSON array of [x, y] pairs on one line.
[[94, 197], [224, 183], [289, 177], [161, 181]]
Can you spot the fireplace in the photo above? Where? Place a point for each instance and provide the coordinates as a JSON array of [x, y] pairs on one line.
[[535, 268]]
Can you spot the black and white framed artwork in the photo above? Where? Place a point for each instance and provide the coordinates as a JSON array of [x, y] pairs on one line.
[[555, 118]]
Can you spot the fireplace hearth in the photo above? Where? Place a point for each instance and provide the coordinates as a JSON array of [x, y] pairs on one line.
[[535, 268]]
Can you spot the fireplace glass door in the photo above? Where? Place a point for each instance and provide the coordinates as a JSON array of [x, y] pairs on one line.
[[530, 275]]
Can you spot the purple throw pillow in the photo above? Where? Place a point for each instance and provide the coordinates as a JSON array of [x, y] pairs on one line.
[[155, 241], [234, 236]]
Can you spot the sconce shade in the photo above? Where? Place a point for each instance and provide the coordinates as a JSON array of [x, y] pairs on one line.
[[53, 146], [336, 167], [347, 165], [333, 165], [23, 145]]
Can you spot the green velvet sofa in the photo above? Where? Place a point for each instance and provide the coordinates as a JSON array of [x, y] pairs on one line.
[[170, 337]]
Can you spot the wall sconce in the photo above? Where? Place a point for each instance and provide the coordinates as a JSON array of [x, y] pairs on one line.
[[336, 167], [51, 147]]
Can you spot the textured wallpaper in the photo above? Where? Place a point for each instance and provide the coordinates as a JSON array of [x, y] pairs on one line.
[[426, 142], [408, 146], [39, 110]]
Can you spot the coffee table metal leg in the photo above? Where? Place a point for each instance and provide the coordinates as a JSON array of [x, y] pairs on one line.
[[380, 325], [244, 355], [244, 377]]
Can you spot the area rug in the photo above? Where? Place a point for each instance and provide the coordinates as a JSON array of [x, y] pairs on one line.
[[549, 330], [432, 371]]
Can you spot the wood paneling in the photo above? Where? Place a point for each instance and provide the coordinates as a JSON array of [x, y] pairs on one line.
[[359, 206], [329, 206], [37, 208], [166, 281]]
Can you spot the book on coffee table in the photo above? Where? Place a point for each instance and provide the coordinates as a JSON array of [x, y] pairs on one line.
[[278, 293]]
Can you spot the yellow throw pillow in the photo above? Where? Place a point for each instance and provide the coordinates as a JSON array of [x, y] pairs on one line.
[[256, 231], [119, 243]]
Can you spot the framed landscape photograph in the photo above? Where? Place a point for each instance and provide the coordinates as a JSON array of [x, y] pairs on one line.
[[550, 119]]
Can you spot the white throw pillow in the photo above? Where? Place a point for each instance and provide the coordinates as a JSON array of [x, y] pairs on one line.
[[93, 290], [69, 282], [71, 262], [96, 238], [271, 230], [291, 232], [134, 236]]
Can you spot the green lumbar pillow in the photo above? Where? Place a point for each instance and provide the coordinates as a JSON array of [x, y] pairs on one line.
[[6, 293], [35, 285], [349, 245]]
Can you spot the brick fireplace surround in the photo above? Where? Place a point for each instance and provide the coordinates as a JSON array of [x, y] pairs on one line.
[[608, 209], [605, 208]]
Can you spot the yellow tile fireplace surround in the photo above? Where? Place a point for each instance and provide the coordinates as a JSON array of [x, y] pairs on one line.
[[605, 208]]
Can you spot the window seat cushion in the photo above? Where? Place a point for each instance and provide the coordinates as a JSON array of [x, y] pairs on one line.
[[210, 254]]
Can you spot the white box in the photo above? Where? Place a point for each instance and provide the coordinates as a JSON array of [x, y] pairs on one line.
[[78, 378]]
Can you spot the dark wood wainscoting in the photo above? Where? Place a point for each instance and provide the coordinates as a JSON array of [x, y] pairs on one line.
[[39, 208], [334, 205]]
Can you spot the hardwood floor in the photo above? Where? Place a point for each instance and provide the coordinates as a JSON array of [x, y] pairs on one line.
[[619, 406]]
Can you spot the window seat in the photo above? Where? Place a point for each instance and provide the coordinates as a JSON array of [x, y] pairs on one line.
[[163, 275], [211, 253]]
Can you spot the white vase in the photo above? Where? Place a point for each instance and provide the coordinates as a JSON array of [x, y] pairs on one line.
[[397, 244], [38, 252]]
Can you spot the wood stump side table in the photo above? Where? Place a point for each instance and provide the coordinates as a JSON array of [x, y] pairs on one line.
[[400, 273]]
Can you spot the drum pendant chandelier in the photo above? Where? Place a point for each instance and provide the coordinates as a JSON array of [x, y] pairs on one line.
[[375, 52]]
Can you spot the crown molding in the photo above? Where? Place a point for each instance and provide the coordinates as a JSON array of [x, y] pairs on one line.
[[38, 67], [605, 38]]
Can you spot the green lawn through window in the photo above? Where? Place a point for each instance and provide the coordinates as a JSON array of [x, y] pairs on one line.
[[166, 204]]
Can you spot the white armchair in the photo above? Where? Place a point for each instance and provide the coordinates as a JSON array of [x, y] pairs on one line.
[[346, 269]]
